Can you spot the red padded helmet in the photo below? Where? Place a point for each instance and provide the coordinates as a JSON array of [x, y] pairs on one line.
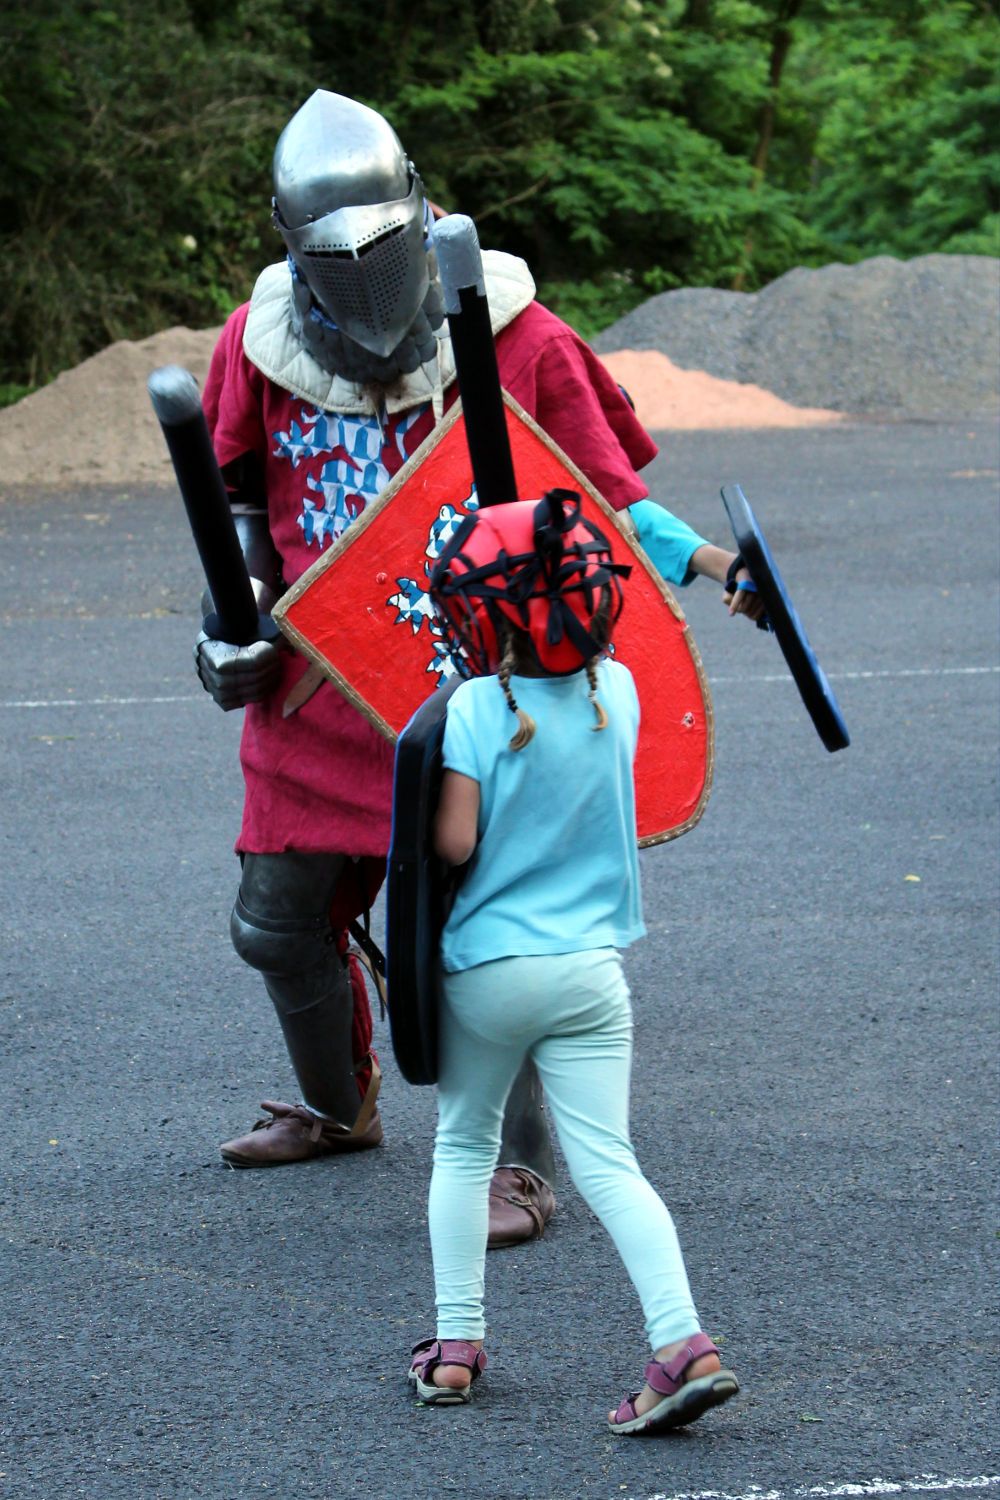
[[539, 564]]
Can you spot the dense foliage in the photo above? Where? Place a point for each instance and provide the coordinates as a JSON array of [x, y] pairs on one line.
[[622, 146]]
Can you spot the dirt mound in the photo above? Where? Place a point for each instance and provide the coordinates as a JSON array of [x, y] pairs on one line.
[[94, 424], [668, 398], [885, 337]]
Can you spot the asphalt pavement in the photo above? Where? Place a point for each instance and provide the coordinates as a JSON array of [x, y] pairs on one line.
[[815, 1083]]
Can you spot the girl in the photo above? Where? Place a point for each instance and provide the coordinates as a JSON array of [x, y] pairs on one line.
[[545, 823]]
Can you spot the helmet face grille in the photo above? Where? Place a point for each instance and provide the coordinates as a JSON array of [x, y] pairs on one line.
[[339, 282], [386, 265], [373, 288]]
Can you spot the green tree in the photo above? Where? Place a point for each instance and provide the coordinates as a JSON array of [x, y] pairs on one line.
[[906, 157], [134, 185], [576, 150]]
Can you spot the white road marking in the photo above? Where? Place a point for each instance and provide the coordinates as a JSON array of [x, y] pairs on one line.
[[921, 1484], [94, 702], [888, 673]]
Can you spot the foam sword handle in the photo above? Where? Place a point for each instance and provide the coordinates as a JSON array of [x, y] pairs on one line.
[[460, 265], [177, 404]]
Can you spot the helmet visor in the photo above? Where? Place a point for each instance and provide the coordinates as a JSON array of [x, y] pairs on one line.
[[366, 266]]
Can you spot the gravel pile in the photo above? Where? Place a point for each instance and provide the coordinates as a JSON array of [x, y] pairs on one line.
[[916, 338]]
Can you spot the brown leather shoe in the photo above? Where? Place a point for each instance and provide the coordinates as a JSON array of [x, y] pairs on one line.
[[294, 1133], [521, 1205]]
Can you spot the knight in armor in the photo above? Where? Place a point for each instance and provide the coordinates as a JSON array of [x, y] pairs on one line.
[[320, 388]]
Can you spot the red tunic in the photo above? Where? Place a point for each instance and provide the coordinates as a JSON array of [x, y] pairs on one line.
[[320, 781]]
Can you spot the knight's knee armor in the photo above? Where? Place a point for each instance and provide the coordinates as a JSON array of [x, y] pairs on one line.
[[295, 954]]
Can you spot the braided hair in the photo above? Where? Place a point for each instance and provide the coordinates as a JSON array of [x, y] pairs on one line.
[[602, 718], [511, 659], [601, 630], [518, 653]]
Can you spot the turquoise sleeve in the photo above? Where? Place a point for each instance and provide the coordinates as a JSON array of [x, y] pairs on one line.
[[459, 748], [669, 542]]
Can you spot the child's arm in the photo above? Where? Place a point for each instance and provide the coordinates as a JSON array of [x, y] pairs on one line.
[[681, 554], [456, 825]]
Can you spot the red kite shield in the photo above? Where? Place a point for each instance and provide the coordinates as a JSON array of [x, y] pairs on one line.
[[363, 616]]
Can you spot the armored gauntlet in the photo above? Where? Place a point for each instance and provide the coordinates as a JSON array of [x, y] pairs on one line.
[[238, 675]]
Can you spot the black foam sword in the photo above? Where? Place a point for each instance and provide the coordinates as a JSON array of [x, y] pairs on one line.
[[461, 268], [177, 404]]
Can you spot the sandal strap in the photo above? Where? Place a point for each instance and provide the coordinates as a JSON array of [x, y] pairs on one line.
[[626, 1408], [667, 1376], [430, 1353]]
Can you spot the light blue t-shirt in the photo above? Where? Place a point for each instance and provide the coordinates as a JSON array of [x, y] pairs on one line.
[[556, 868], [668, 541]]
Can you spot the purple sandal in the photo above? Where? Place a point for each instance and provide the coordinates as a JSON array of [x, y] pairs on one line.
[[433, 1352], [683, 1400]]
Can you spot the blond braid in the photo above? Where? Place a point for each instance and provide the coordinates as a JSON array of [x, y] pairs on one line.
[[602, 718], [525, 723]]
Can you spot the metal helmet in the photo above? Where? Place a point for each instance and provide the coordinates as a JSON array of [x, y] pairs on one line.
[[350, 207], [539, 565]]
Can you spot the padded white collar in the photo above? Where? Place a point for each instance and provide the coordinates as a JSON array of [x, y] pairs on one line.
[[270, 344]]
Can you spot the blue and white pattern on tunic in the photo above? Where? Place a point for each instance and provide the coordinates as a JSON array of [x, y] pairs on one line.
[[354, 472]]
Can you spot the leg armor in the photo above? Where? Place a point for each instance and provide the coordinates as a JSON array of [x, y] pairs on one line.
[[281, 926], [526, 1141]]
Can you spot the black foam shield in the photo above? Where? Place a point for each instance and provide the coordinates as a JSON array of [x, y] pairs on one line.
[[809, 677], [419, 890]]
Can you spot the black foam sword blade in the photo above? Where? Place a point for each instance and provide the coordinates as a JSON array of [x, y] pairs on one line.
[[461, 268], [177, 404]]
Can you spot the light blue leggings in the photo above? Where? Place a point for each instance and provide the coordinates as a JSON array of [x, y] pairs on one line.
[[571, 1011]]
